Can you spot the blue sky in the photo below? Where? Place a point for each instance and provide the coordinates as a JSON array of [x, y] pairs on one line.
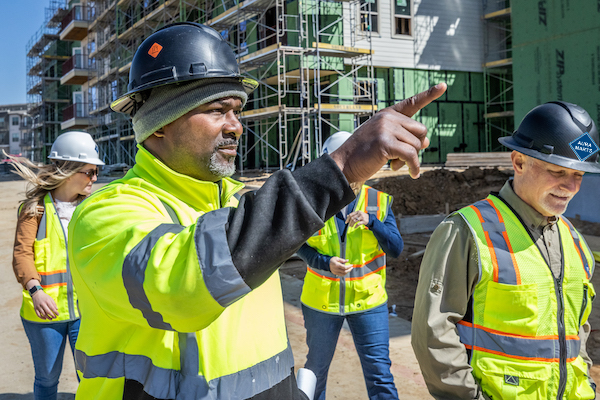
[[19, 21]]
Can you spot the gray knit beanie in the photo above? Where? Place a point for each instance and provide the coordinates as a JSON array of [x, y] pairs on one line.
[[169, 102]]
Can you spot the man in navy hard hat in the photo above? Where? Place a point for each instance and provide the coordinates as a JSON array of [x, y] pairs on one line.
[[504, 294], [178, 274]]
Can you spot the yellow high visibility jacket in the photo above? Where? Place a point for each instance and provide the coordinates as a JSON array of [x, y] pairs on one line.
[[523, 330], [164, 304], [51, 262], [364, 287]]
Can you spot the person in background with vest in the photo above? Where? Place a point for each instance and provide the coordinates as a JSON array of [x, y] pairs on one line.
[[345, 281], [176, 273], [49, 310], [504, 293]]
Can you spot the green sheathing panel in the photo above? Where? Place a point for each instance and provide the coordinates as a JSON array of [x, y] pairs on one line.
[[476, 85], [556, 54], [472, 127], [450, 128], [454, 121], [429, 117], [383, 89]]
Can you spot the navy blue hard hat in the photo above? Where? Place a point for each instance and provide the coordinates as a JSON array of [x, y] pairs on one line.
[[559, 133], [179, 52]]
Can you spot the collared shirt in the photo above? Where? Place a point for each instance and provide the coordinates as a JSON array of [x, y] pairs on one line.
[[542, 229], [447, 279]]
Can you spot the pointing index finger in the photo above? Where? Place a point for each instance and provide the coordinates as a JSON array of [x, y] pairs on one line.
[[412, 105]]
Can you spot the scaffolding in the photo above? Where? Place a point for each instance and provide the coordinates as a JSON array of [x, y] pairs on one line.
[[45, 96], [497, 72], [297, 52], [311, 75]]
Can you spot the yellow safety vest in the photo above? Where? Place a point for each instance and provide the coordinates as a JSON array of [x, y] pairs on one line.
[[51, 262], [364, 287], [523, 325], [163, 305]]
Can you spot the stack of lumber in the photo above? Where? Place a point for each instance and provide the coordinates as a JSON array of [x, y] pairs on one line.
[[494, 159]]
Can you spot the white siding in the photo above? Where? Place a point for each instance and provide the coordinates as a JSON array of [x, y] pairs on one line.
[[447, 35]]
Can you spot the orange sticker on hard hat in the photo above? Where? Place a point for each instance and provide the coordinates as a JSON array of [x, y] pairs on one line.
[[155, 50]]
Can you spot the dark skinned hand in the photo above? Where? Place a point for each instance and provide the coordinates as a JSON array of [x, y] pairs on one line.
[[391, 134]]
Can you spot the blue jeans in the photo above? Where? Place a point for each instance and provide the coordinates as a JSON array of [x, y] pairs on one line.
[[47, 348], [370, 331]]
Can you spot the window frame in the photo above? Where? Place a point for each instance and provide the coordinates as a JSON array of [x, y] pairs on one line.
[[374, 14], [395, 16]]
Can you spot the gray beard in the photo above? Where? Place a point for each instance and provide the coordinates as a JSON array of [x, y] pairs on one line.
[[221, 169]]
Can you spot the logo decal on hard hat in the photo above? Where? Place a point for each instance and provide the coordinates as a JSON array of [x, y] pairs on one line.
[[155, 50], [584, 146]]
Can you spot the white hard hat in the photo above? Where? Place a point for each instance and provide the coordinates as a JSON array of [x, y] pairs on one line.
[[75, 146], [334, 141]]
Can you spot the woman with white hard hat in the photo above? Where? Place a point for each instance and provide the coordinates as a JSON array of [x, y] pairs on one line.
[[49, 310], [345, 283]]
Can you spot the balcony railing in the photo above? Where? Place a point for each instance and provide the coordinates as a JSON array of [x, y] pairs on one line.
[[78, 61], [77, 13], [77, 110]]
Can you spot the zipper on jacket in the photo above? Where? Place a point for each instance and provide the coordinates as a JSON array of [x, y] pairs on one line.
[[70, 300], [562, 340], [342, 279]]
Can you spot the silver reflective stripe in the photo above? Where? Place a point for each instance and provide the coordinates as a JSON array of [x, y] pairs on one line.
[[188, 384], [516, 346], [54, 278], [501, 248], [577, 241], [221, 278], [372, 205], [244, 384], [473, 239], [171, 213], [134, 271], [158, 382], [41, 232], [368, 268]]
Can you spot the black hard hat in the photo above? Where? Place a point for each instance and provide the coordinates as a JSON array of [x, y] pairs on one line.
[[559, 133], [179, 52]]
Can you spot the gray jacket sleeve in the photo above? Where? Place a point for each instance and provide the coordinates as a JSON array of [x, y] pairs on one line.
[[447, 279]]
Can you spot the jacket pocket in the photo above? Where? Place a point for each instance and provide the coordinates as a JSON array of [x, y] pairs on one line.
[[581, 388], [589, 294], [508, 380], [318, 293], [512, 308], [368, 293]]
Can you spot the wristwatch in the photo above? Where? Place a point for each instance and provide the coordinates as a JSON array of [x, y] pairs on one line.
[[34, 289]]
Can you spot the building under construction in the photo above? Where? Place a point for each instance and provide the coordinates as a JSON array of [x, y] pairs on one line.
[[323, 66]]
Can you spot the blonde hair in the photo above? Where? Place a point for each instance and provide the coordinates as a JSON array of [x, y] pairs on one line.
[[42, 179]]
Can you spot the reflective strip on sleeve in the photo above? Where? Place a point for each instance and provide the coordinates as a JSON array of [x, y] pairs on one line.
[[535, 348], [221, 277], [134, 272]]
